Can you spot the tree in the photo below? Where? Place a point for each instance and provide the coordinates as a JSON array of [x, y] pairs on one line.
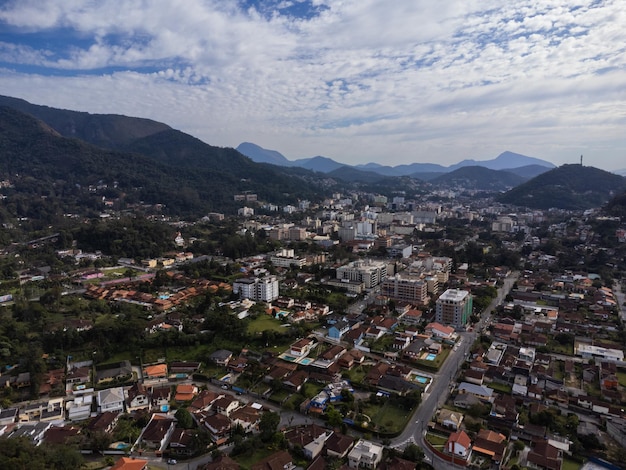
[[268, 425], [334, 417], [184, 418], [414, 453]]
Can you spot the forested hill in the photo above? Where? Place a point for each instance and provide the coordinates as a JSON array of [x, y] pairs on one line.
[[571, 187], [111, 131], [45, 166], [478, 177]]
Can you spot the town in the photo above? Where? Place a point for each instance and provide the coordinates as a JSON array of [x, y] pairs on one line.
[[359, 331]]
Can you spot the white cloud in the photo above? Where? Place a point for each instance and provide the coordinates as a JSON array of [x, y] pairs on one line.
[[363, 80]]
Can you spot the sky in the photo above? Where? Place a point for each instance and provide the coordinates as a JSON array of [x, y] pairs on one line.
[[386, 81]]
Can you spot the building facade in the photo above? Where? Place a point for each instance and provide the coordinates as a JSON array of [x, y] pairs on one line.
[[454, 308], [261, 289], [407, 288], [370, 273]]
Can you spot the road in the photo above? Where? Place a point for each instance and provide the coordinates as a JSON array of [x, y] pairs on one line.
[[621, 298], [444, 384], [415, 429]]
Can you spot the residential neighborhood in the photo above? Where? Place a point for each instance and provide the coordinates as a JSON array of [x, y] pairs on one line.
[[347, 335]]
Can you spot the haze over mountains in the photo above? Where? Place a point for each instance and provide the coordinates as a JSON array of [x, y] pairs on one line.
[[53, 155], [505, 161]]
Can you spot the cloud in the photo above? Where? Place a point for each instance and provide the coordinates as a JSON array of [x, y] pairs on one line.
[[357, 80]]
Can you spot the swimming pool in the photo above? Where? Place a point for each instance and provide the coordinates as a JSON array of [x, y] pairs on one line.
[[306, 361], [421, 379], [431, 357], [119, 446], [287, 357]]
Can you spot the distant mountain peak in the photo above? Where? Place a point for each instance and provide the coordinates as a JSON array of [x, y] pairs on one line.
[[260, 155]]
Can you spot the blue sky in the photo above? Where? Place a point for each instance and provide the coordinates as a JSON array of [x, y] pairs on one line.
[[391, 82]]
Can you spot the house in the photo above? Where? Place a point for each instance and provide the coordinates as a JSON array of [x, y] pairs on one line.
[[449, 419], [80, 408], [157, 432], [310, 438], [248, 417], [365, 454], [491, 444], [466, 400], [137, 397], [161, 396], [296, 380], [130, 463], [302, 347], [339, 329], [338, 445], [185, 392], [280, 460], [203, 401], [111, 399], [226, 405], [437, 330], [156, 371], [33, 431], [181, 443], [121, 372], [104, 422], [544, 456], [184, 367], [412, 317], [221, 357], [479, 391], [8, 416], [60, 435], [219, 427], [459, 444], [77, 376], [238, 364]]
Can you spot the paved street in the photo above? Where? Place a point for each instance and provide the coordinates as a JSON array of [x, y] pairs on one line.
[[414, 431], [444, 383]]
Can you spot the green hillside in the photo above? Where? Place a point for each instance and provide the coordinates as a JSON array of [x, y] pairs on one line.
[[478, 177], [571, 187], [55, 172]]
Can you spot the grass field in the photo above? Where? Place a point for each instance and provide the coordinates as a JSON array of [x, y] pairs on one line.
[[570, 465], [246, 461], [621, 377], [388, 417], [264, 323]]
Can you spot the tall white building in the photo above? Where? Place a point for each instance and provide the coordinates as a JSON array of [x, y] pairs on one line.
[[370, 273], [454, 308], [263, 289]]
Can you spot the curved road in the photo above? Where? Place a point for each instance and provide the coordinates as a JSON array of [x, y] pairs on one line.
[[444, 384]]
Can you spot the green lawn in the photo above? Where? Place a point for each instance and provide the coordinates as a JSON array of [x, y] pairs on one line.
[[310, 389], [388, 417], [264, 323], [436, 440], [498, 387], [436, 364], [246, 461], [357, 374], [294, 401], [279, 396], [570, 465], [621, 377]]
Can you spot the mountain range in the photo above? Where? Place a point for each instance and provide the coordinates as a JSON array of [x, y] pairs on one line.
[[505, 161], [53, 158]]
